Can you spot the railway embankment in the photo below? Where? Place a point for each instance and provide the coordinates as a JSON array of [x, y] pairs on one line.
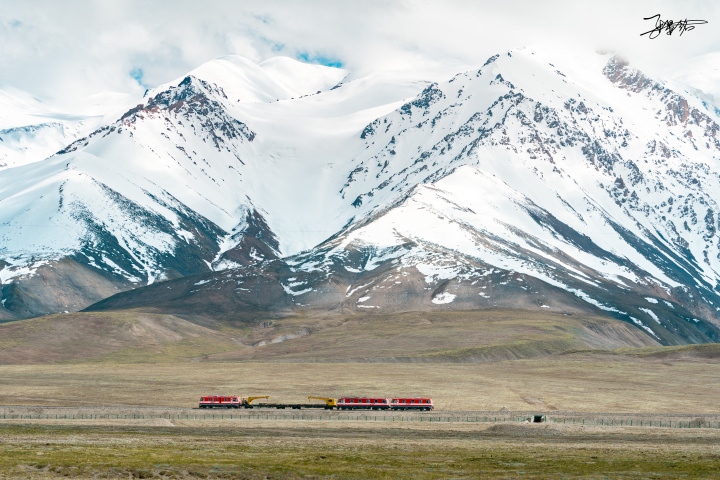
[[18, 413]]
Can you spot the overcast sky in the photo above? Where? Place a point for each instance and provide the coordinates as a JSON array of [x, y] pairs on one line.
[[77, 47]]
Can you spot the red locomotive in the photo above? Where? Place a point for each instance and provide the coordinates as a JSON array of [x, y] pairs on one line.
[[219, 401], [411, 404], [354, 403]]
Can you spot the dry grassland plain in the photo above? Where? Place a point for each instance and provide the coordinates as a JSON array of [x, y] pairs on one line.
[[176, 365], [339, 450], [277, 449], [585, 382]]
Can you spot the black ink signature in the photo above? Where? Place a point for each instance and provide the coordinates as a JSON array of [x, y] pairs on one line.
[[669, 26]]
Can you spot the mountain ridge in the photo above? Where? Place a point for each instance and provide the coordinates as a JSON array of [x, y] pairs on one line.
[[580, 179]]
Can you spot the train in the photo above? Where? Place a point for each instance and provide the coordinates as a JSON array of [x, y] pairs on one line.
[[343, 403], [360, 403]]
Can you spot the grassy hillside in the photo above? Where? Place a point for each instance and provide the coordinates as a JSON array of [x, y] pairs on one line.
[[80, 337], [139, 337]]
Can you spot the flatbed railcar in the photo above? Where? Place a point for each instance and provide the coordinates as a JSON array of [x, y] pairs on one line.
[[279, 406]]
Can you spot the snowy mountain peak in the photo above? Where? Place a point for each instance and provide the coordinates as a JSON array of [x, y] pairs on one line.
[[574, 185], [278, 78]]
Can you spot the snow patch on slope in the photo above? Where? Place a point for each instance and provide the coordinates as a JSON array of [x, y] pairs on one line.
[[443, 298]]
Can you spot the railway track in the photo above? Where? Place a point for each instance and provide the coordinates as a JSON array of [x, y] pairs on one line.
[[320, 410]]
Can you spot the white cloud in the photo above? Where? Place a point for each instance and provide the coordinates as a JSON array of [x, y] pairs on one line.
[[75, 48]]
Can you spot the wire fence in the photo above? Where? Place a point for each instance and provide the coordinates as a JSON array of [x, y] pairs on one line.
[[607, 422]]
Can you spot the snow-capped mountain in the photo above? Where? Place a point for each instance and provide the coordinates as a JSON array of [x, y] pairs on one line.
[[163, 191], [32, 129], [534, 181]]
